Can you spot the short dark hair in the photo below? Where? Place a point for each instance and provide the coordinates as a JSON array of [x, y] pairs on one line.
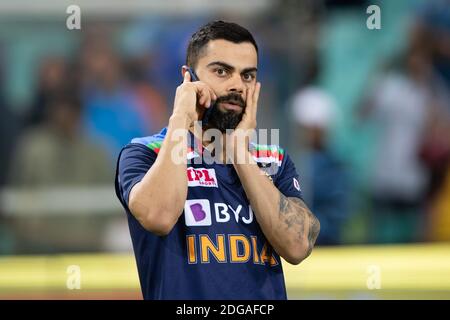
[[212, 31]]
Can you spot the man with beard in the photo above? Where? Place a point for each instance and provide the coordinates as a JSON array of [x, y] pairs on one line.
[[203, 230]]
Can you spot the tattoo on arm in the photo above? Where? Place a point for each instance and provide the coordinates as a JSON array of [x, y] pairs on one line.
[[294, 212], [314, 229]]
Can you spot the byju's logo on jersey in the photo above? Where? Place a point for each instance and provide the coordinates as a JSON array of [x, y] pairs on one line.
[[197, 212], [202, 177]]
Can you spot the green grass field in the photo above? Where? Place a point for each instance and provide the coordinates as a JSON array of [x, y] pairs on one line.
[[420, 271]]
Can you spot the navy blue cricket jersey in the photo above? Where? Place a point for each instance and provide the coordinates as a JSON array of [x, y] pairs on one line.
[[216, 250]]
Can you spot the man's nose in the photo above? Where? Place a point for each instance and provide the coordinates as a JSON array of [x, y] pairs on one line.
[[237, 85]]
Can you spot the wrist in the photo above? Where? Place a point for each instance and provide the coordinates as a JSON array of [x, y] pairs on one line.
[[179, 121], [241, 156], [238, 148]]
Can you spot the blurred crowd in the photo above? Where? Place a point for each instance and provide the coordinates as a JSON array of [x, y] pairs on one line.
[[407, 99], [87, 105]]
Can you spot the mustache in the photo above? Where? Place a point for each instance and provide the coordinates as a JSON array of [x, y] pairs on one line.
[[234, 98]]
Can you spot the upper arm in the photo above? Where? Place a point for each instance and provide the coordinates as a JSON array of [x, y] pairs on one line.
[[288, 180], [133, 163]]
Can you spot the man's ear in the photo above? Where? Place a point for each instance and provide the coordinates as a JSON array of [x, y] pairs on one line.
[[184, 69]]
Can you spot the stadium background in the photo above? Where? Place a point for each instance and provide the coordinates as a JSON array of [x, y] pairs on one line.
[[363, 113]]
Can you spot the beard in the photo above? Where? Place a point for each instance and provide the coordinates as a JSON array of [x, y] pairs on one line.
[[226, 119]]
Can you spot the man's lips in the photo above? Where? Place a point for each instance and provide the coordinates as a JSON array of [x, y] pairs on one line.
[[231, 106]]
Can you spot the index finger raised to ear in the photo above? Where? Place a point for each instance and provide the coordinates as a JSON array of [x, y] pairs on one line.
[[187, 77]]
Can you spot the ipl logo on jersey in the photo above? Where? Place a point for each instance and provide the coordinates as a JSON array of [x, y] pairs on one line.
[[201, 177]]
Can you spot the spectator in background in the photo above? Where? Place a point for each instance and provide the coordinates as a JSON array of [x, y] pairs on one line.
[[115, 109], [57, 153], [400, 105], [314, 111], [54, 77]]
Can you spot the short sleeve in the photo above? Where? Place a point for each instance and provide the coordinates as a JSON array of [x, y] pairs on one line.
[[133, 163], [288, 181]]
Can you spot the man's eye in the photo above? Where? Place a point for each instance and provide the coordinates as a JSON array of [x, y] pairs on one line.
[[248, 77], [221, 72]]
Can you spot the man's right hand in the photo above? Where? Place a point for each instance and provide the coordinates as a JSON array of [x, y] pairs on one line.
[[158, 202], [192, 98]]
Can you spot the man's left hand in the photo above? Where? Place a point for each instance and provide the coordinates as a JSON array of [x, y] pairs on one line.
[[238, 140]]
